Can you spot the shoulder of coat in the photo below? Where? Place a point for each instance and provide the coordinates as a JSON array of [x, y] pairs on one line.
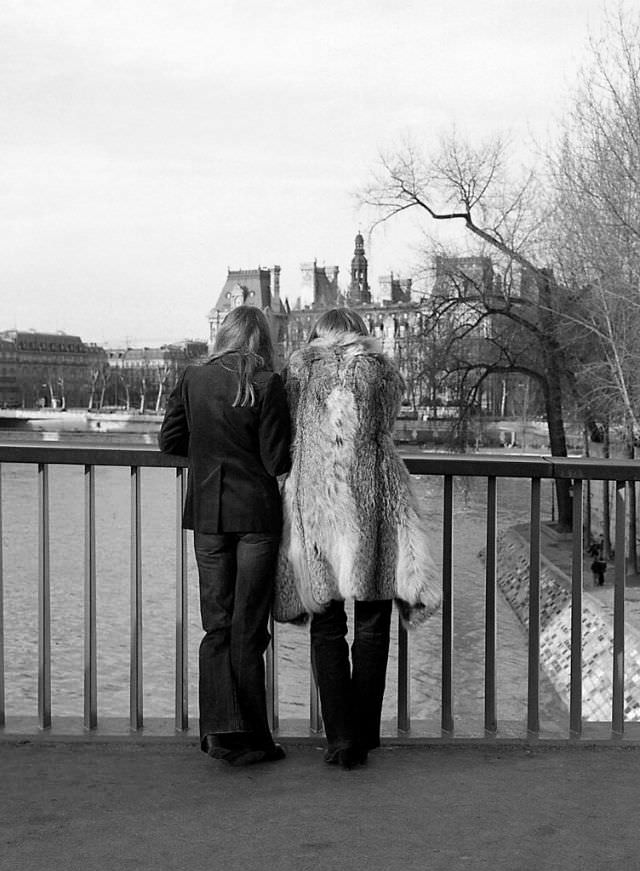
[[347, 345]]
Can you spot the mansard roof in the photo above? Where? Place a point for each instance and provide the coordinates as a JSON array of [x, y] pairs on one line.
[[251, 287]]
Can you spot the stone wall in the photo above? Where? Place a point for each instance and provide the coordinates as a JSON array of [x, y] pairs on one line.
[[555, 633]]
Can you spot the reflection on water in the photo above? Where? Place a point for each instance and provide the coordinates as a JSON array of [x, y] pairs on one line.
[[20, 503]]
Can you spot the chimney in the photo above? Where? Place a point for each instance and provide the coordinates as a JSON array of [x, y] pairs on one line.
[[275, 288]]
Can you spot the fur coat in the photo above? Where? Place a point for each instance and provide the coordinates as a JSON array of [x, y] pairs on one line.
[[351, 524]]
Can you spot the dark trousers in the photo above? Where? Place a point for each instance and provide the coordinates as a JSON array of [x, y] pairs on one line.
[[351, 694], [236, 572]]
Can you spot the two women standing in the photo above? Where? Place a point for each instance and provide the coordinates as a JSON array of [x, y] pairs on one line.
[[351, 528]]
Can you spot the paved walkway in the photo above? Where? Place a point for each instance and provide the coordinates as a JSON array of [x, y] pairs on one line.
[[559, 552], [98, 807]]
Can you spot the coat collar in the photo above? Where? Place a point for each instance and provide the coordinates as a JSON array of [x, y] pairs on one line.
[[343, 344]]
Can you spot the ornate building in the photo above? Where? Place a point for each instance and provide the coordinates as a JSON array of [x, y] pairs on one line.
[[259, 287], [395, 319], [404, 325]]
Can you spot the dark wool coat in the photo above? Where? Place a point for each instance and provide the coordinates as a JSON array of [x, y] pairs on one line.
[[351, 524], [235, 453]]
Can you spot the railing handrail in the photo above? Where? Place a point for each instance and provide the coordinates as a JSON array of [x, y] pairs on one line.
[[446, 466], [88, 455], [481, 465]]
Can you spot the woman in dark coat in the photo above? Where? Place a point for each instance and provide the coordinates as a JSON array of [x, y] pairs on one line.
[[230, 417]]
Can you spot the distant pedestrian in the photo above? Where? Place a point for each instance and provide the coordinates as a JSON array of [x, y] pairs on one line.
[[230, 417], [598, 568], [593, 550], [352, 529]]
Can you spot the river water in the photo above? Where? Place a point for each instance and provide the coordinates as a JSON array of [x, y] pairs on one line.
[[20, 559]]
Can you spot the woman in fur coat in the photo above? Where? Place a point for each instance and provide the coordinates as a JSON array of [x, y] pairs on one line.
[[351, 526]]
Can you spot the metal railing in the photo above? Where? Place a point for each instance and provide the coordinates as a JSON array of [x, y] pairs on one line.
[[446, 467]]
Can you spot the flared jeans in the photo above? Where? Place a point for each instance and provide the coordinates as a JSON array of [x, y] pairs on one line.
[[351, 693], [236, 573]]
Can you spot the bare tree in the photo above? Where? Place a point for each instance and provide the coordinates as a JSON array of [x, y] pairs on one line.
[[105, 378], [94, 377], [461, 183], [166, 379], [595, 169], [123, 377], [142, 381]]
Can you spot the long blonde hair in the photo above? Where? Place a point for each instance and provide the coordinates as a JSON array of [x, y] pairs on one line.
[[338, 320], [245, 332]]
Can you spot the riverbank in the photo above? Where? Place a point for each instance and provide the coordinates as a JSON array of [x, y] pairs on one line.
[[67, 422]]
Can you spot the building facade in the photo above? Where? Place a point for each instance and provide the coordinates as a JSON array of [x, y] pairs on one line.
[[411, 328], [46, 370], [60, 371], [394, 319], [320, 283], [142, 378], [10, 395]]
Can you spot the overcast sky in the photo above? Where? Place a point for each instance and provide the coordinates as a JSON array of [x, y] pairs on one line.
[[147, 145]]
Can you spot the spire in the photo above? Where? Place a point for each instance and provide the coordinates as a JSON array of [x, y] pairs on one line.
[[359, 291]]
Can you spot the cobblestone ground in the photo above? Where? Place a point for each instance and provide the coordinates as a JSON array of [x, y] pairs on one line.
[[425, 642]]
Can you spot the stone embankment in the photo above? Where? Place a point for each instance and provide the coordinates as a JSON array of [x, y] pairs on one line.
[[555, 627]]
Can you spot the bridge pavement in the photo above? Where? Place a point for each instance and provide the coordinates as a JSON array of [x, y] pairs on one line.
[[101, 806]]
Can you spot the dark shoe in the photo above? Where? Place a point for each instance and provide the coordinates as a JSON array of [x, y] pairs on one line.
[[212, 746], [361, 755], [345, 757], [331, 757], [241, 757], [275, 754], [251, 755]]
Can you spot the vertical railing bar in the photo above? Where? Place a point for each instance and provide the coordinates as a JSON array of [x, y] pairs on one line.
[[135, 680], [533, 666], [44, 600], [404, 689], [575, 692], [2, 686], [182, 614], [315, 715], [90, 656], [272, 676], [447, 724], [490, 697], [617, 700]]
